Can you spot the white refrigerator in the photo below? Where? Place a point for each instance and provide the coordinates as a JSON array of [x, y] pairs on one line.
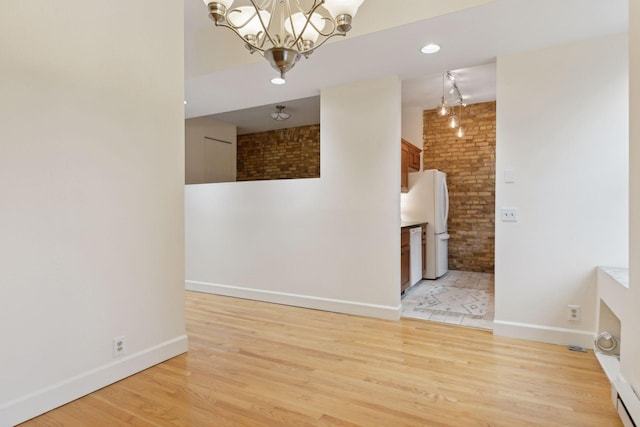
[[428, 201]]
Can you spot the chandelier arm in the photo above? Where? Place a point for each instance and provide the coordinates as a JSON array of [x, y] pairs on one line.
[[316, 4], [289, 17], [260, 42], [266, 27], [298, 39], [229, 24], [252, 46], [308, 52], [265, 3], [328, 33]]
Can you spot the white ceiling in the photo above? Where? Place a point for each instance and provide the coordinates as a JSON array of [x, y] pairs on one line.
[[471, 39], [305, 111]]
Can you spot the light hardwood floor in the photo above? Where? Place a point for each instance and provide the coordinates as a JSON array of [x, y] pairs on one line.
[[259, 364]]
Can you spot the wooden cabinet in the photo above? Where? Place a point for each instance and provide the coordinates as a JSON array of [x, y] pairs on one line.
[[404, 170], [414, 156], [405, 260], [410, 162]]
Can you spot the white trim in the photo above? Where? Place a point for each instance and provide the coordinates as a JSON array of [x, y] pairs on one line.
[[542, 333], [610, 365], [305, 301], [54, 395]]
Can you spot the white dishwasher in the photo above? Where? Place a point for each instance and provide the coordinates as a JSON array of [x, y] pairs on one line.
[[415, 260]]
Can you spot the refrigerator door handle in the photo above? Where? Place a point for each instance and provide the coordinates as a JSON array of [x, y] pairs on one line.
[[446, 201]]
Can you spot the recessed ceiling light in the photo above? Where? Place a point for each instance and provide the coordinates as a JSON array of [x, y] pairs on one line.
[[278, 81], [430, 48], [185, 102]]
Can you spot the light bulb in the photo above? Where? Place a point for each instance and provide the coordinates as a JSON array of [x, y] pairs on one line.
[[442, 109], [453, 121], [460, 132]]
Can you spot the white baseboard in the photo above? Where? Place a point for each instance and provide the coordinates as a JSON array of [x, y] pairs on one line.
[[305, 301], [48, 398], [541, 333]]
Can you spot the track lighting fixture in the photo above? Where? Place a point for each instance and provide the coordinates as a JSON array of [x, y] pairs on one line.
[[454, 121]]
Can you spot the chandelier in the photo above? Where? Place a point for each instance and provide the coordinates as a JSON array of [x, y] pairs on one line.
[[284, 30], [280, 115]]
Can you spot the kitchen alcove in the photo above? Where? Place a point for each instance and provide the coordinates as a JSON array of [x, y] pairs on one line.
[[249, 145]]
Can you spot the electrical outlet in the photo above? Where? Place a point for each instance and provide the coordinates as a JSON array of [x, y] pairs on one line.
[[119, 346], [509, 214], [574, 312]]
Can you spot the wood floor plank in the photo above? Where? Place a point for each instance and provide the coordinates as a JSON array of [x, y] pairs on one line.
[[259, 364]]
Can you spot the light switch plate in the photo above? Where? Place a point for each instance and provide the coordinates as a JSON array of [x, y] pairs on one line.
[[509, 176]]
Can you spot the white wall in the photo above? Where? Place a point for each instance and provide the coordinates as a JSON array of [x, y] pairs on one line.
[[207, 160], [562, 125], [630, 351], [412, 126], [91, 178], [331, 243]]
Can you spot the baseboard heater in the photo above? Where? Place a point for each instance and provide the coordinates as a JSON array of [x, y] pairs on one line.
[[628, 404], [623, 412]]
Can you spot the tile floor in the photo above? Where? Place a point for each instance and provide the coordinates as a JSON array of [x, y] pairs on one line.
[[459, 297]]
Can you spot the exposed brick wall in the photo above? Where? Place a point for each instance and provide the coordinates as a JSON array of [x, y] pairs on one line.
[[279, 154], [470, 164]]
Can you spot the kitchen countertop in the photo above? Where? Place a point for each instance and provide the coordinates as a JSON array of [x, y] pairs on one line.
[[404, 224]]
